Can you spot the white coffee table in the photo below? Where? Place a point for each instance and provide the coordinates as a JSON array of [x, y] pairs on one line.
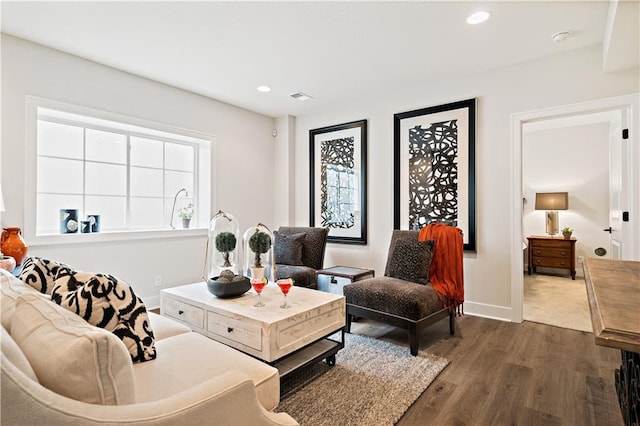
[[286, 338]]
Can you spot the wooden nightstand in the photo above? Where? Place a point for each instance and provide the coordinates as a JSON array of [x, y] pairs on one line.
[[552, 252]]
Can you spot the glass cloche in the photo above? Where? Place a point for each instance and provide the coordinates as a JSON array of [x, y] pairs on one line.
[[257, 244], [223, 248]]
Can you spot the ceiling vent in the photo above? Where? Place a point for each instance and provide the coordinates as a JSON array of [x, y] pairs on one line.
[[301, 96]]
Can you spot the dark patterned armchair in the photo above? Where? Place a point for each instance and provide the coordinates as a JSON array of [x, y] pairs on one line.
[[403, 297], [299, 253]]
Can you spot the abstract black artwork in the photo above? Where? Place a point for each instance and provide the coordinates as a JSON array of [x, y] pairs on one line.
[[433, 174], [337, 181], [434, 168]]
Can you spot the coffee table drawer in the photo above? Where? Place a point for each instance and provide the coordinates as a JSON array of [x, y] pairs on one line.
[[192, 315], [235, 330]]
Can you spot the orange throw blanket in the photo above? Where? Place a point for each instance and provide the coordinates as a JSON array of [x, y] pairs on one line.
[[446, 272]]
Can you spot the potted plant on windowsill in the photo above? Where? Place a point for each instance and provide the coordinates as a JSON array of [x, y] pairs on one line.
[[566, 232], [186, 213]]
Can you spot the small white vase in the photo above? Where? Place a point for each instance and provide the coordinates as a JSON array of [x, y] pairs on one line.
[[257, 273]]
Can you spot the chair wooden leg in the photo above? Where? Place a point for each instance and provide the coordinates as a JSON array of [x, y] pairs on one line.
[[347, 326], [452, 326], [413, 339]]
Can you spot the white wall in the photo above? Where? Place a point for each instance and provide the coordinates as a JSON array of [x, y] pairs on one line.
[[557, 80], [573, 159], [243, 178], [243, 137]]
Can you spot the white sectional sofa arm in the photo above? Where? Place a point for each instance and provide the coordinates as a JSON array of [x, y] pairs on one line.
[[229, 399]]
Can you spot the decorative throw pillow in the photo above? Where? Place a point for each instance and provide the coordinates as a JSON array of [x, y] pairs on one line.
[[288, 248], [105, 301], [40, 273], [84, 294], [71, 357], [411, 260]]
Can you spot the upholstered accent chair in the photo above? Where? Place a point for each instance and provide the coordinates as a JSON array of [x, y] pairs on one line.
[[403, 297], [299, 253]]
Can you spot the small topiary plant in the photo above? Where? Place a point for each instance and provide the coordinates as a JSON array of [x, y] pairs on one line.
[[259, 243], [225, 243]]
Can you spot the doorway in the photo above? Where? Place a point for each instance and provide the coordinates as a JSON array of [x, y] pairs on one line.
[[588, 112], [566, 154]]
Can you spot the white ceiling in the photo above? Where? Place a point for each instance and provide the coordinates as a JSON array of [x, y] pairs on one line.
[[330, 50]]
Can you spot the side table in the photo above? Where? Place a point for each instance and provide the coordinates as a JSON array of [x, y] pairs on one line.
[[333, 279], [552, 252]]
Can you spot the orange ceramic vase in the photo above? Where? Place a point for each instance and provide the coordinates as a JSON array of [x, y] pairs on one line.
[[13, 245]]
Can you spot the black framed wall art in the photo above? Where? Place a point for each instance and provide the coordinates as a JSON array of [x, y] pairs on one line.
[[434, 168], [338, 181]]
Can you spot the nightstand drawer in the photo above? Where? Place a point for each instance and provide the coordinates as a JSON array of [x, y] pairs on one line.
[[551, 262], [189, 314], [555, 243], [551, 252], [234, 330]]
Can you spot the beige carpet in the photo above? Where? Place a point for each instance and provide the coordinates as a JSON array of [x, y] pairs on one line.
[[372, 384], [556, 300]]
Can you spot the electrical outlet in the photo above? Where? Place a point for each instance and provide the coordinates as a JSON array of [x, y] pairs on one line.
[[158, 281], [580, 259]]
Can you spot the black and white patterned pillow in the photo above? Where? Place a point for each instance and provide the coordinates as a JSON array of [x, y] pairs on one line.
[[40, 273], [105, 301]]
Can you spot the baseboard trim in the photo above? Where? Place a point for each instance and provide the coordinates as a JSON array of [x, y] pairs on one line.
[[495, 312]]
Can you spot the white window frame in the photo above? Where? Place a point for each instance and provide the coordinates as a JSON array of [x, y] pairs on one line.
[[205, 188]]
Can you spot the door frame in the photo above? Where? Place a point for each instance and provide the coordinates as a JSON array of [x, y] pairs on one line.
[[629, 103]]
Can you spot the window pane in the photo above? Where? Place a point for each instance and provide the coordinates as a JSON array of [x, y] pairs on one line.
[[59, 176], [48, 211], [174, 181], [106, 179], [112, 211], [146, 152], [106, 146], [179, 157], [147, 213], [147, 182], [59, 140]]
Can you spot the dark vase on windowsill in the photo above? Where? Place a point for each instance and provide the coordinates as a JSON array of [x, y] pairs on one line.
[[186, 223]]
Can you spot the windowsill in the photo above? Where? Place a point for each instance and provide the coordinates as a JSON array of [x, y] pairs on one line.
[[98, 237]]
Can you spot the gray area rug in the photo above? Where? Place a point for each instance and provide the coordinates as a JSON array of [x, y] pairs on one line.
[[373, 383]]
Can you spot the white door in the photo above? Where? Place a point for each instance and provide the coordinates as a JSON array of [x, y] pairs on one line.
[[620, 158]]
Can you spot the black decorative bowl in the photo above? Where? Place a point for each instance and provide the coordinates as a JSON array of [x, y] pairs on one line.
[[229, 289]]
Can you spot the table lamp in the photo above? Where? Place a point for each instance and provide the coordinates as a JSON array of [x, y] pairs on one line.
[[552, 202]]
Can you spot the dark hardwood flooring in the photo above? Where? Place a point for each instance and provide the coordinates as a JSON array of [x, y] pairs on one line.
[[503, 373]]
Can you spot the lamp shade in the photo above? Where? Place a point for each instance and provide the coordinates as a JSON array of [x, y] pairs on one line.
[[1, 201], [552, 200]]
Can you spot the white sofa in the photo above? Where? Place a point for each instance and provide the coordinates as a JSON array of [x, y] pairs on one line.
[[59, 369]]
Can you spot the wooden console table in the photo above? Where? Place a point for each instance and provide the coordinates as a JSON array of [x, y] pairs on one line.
[[613, 289]]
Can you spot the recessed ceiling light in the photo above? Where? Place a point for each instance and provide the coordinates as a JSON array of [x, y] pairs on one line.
[[560, 36], [301, 96], [264, 89], [478, 17]]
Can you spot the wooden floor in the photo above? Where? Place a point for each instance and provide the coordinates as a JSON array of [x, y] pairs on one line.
[[511, 374]]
